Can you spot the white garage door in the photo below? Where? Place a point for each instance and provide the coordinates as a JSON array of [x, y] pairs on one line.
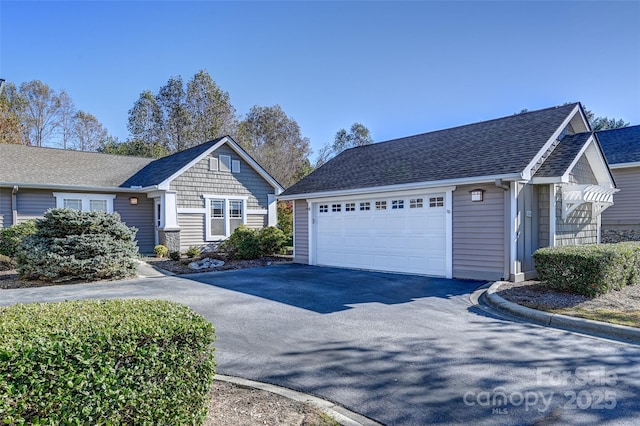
[[399, 234]]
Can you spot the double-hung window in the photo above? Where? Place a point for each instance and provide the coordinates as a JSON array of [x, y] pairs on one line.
[[84, 202], [224, 215]]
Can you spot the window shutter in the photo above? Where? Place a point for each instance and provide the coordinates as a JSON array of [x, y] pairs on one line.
[[213, 164]]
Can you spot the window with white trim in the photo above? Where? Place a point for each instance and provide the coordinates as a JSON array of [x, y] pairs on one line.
[[217, 217], [336, 208], [349, 207], [235, 214], [416, 203], [324, 208], [381, 205], [436, 202], [84, 202], [223, 216], [364, 206], [397, 204], [235, 166]]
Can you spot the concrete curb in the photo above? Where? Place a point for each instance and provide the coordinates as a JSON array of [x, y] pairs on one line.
[[580, 325], [338, 413]]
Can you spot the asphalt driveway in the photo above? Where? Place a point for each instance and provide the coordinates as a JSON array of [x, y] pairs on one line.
[[399, 349]]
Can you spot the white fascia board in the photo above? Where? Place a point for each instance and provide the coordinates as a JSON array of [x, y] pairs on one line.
[[238, 150], [553, 179], [76, 188], [404, 187], [527, 171], [624, 165]]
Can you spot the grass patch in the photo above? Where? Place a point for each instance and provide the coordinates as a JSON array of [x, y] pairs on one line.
[[629, 318]]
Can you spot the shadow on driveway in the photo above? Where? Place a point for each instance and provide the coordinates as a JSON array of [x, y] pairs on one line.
[[325, 290]]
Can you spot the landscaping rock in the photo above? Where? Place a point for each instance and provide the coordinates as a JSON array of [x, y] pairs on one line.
[[613, 236], [206, 263]]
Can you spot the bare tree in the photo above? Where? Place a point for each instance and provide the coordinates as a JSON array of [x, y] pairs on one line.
[[66, 114], [88, 133], [41, 111]]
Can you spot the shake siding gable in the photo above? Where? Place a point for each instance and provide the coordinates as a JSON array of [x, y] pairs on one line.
[[301, 232], [624, 214], [580, 227], [199, 180], [478, 233]]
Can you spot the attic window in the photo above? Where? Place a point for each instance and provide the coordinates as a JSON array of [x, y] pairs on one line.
[[225, 163], [235, 166]]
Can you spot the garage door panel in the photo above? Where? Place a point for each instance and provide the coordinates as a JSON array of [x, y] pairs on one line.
[[411, 240]]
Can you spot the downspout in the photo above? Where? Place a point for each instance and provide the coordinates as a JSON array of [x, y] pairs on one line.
[[14, 205], [507, 235]]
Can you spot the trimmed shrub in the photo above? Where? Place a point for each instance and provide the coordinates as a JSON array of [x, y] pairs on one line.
[[74, 245], [193, 251], [175, 255], [247, 243], [104, 362], [11, 237], [161, 250], [272, 240], [588, 270], [6, 263]]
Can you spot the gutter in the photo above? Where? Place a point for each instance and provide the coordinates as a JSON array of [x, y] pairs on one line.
[[78, 187], [404, 187]]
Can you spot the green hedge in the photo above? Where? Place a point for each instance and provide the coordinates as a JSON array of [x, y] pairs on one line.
[[104, 362], [589, 270], [11, 237], [74, 245], [247, 243]]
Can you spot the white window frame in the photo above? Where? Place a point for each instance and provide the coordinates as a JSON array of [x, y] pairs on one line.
[[235, 166], [227, 214], [86, 199]]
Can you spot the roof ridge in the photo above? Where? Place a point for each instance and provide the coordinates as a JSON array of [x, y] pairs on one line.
[[520, 114], [52, 148]]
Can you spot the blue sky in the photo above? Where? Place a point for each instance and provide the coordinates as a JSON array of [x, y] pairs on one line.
[[400, 68]]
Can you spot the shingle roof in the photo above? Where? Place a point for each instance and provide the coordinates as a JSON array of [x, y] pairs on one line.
[[563, 155], [32, 165], [489, 148], [161, 169], [621, 145]]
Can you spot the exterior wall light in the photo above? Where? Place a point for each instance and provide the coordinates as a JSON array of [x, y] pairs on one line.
[[133, 201], [477, 195]]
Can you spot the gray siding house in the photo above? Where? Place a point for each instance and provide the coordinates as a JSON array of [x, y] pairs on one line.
[[622, 149], [192, 198], [473, 201]]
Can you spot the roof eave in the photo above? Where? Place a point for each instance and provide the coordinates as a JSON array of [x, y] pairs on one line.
[[404, 187], [527, 171], [624, 165], [80, 188]]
